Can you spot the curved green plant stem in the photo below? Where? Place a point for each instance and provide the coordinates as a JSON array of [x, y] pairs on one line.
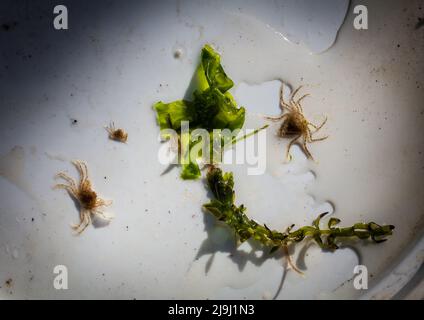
[[223, 208], [235, 140]]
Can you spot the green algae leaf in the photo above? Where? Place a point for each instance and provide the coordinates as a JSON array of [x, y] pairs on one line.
[[212, 106]]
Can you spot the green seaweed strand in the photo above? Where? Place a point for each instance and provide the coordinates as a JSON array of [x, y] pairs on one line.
[[223, 208]]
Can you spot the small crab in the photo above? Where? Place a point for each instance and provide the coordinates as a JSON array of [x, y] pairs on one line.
[[87, 198], [116, 134], [295, 124]]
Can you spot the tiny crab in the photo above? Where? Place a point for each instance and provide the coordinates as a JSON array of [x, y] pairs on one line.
[[295, 124], [83, 192], [116, 134]]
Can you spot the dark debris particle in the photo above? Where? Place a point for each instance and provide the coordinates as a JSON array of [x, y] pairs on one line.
[[32, 219], [9, 26], [177, 54], [419, 24], [8, 282], [74, 121]]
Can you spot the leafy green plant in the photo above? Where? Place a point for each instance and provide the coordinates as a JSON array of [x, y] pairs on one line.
[[212, 107], [223, 208]]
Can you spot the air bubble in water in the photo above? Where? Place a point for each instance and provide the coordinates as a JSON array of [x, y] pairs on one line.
[[15, 253]]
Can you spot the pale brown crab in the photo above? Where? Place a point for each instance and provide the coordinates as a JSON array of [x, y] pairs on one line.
[[294, 124], [116, 134], [83, 192]]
